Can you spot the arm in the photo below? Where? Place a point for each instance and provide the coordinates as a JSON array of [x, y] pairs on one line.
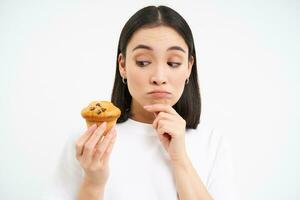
[[89, 191], [188, 183]]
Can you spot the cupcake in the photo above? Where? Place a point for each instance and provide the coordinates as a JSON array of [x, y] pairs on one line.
[[98, 112]]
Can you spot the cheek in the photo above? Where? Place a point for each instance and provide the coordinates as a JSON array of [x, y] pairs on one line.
[[136, 81], [178, 83], [179, 89]]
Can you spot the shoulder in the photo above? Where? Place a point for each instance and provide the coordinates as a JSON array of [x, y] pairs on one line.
[[202, 145], [207, 133], [210, 139]]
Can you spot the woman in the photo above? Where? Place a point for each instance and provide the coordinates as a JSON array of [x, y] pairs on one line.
[[160, 152]]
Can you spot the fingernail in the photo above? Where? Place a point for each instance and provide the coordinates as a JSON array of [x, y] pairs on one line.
[[103, 124], [111, 134]]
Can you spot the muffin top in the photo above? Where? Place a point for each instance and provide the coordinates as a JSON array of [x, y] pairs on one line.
[[101, 111]]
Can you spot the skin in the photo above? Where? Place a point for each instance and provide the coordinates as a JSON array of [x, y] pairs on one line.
[[156, 58], [158, 68]]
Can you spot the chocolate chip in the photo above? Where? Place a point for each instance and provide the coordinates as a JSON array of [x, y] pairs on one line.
[[92, 108], [99, 112], [103, 109], [98, 104]]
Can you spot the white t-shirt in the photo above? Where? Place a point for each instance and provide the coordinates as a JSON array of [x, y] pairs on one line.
[[140, 169]]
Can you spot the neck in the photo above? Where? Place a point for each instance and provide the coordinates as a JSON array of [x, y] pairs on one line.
[[140, 114]]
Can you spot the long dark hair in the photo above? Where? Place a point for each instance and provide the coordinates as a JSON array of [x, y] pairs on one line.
[[189, 104]]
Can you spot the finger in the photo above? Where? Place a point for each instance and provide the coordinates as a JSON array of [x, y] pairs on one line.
[[102, 147], [165, 139], [106, 155], [160, 108], [161, 127], [83, 138], [164, 127], [161, 116], [164, 136], [89, 146]]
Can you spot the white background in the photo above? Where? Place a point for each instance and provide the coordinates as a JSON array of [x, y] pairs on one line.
[[56, 56]]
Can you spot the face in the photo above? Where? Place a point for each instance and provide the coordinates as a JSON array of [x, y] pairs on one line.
[[156, 66]]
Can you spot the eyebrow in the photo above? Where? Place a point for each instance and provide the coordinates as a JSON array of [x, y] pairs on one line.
[[142, 46]]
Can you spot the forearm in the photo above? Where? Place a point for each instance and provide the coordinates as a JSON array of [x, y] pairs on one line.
[[188, 183], [91, 192]]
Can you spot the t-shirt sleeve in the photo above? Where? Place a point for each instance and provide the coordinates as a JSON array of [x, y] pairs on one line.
[[67, 176], [221, 182]]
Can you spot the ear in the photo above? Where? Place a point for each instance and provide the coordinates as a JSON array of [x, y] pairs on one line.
[[190, 65], [122, 67]]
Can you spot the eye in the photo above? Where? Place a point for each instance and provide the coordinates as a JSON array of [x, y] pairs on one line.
[[142, 63], [174, 64]]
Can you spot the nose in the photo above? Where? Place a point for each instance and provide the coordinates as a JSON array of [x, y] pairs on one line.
[[158, 76]]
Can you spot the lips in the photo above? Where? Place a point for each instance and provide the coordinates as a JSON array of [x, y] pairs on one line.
[[159, 91], [159, 94]]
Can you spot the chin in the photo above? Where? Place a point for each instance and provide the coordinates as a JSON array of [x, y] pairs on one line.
[[161, 101]]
